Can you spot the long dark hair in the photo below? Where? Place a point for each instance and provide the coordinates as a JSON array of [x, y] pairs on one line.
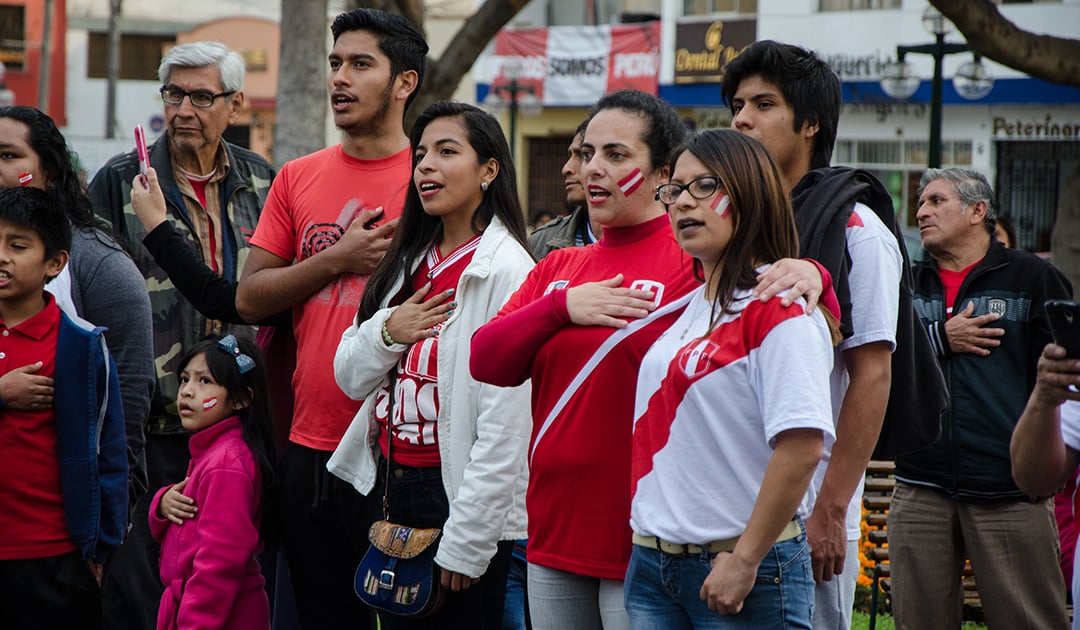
[[57, 165], [256, 421], [764, 224], [417, 231]]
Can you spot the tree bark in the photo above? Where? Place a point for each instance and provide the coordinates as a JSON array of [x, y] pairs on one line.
[[301, 95], [1065, 240], [1054, 59], [461, 53]]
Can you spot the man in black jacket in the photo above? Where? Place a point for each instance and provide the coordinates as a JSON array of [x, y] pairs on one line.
[[983, 307]]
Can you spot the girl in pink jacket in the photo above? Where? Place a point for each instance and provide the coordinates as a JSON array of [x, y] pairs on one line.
[[209, 523]]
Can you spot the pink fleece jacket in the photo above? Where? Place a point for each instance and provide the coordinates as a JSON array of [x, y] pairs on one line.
[[208, 565]]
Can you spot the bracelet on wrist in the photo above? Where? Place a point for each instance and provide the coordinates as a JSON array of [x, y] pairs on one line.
[[387, 339]]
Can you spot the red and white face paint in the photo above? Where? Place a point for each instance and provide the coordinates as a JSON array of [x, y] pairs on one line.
[[721, 204], [201, 401], [631, 182]]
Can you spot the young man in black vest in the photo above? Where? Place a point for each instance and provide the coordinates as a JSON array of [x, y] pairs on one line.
[[789, 99]]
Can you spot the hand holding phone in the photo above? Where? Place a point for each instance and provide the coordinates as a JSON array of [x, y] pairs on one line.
[[1064, 318], [144, 155]]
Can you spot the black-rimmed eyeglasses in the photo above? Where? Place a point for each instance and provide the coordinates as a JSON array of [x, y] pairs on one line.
[[701, 188], [199, 98]]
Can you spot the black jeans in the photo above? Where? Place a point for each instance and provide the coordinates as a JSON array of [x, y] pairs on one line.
[[324, 529], [417, 499], [131, 590], [54, 593]]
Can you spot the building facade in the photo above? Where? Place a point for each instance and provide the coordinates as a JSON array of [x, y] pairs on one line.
[[1024, 134]]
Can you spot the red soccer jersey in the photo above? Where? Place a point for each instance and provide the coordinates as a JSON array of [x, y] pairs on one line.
[[579, 485], [416, 396]]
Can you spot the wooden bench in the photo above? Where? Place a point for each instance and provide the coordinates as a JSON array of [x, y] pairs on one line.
[[877, 495]]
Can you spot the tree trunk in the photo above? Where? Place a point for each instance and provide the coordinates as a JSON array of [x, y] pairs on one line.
[[461, 53], [301, 94], [1065, 241], [1054, 59]]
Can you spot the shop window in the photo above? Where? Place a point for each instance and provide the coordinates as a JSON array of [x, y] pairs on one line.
[[139, 56], [12, 40], [546, 158], [875, 152], [857, 5], [900, 164], [708, 7], [1031, 179]]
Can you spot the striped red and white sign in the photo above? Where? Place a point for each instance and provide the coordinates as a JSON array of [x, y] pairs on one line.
[[576, 65]]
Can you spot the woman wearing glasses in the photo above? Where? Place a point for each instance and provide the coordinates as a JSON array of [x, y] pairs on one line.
[[578, 326], [732, 411]]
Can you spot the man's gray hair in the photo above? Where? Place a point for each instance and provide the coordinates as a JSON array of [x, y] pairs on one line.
[[229, 63], [970, 186]]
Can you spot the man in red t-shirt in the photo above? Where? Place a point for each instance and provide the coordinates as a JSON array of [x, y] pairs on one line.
[[325, 226]]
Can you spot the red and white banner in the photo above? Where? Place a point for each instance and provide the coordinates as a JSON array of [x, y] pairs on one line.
[[576, 65]]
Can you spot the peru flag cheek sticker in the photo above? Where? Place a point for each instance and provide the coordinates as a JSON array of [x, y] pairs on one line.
[[631, 182], [209, 403], [721, 205]]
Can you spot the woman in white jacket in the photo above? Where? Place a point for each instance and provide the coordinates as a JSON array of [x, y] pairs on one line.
[[459, 446]]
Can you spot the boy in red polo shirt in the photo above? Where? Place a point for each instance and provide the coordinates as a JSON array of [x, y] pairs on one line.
[[62, 458]]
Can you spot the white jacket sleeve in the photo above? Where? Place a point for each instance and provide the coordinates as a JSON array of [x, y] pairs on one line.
[[495, 472], [362, 359], [478, 513]]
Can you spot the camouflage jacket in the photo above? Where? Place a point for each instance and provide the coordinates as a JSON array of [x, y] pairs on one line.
[[177, 323]]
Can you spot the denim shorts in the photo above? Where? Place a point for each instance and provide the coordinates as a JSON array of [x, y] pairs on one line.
[[663, 591]]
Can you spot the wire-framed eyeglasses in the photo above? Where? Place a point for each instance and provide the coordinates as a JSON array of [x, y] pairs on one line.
[[700, 188], [199, 98]]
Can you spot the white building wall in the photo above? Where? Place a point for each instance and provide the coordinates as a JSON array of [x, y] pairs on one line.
[[878, 31]]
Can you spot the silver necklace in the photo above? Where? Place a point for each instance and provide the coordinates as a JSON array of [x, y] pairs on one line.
[[695, 307]]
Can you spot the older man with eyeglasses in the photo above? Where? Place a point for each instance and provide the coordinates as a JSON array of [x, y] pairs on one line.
[[213, 195]]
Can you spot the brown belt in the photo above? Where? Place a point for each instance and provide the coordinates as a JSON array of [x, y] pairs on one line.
[[791, 530]]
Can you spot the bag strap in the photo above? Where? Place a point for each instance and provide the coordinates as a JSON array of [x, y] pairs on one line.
[[389, 443]]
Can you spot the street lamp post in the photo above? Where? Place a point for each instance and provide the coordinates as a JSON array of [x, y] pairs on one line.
[[513, 96], [901, 80]]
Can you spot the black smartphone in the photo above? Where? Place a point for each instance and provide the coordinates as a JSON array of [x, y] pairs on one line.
[[1065, 325], [374, 223]]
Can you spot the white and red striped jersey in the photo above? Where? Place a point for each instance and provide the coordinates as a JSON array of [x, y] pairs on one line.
[[709, 407], [416, 394]]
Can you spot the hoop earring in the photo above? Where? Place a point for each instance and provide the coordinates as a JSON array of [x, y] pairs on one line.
[[484, 186]]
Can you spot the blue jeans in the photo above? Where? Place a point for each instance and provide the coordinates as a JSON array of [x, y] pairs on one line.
[[662, 591], [514, 608]]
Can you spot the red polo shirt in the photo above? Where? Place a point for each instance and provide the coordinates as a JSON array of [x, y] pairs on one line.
[[32, 517]]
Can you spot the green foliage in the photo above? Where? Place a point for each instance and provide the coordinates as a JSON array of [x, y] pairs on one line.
[[861, 621]]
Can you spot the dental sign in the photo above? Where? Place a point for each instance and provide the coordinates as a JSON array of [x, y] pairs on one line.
[[576, 65]]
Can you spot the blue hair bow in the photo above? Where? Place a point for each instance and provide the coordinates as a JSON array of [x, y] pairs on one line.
[[243, 361]]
